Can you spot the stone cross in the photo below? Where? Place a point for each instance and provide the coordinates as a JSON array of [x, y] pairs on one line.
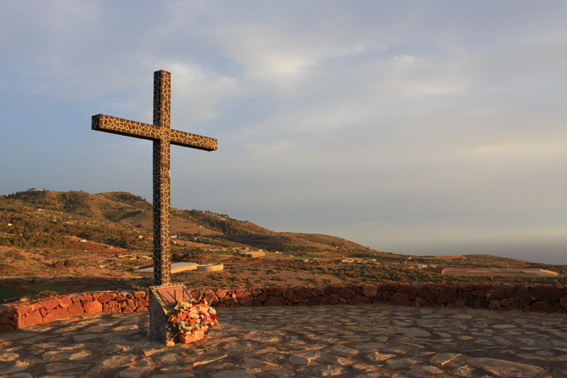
[[162, 136]]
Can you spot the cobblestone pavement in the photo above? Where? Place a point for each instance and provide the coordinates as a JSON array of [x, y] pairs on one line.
[[339, 341]]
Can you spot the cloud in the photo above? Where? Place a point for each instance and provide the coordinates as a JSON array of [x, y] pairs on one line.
[[393, 122], [198, 94], [270, 149], [430, 76]]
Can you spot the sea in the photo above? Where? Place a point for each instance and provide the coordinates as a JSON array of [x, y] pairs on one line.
[[538, 251]]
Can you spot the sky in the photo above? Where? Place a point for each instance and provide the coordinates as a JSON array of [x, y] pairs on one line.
[[414, 127]]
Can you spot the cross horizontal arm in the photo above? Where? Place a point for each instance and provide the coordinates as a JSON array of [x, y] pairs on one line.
[[141, 130], [125, 127], [181, 138]]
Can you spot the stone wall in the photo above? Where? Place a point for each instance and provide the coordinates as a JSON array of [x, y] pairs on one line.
[[490, 296], [25, 314]]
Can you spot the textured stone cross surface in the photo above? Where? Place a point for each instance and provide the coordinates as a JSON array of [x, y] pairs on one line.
[[162, 136]]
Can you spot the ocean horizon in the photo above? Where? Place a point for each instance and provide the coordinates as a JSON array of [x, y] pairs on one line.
[[537, 251]]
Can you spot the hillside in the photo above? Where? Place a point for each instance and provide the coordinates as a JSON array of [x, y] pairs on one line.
[[68, 241], [91, 216]]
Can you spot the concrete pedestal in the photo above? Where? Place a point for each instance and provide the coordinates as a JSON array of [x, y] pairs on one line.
[[162, 297]]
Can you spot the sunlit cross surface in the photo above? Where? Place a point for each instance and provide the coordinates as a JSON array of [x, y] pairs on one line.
[[162, 135]]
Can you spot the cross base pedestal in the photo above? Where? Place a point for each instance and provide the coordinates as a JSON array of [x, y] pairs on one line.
[[161, 298]]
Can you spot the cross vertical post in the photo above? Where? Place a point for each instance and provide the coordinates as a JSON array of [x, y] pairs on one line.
[[162, 180]]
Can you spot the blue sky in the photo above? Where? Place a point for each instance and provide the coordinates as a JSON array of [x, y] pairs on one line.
[[408, 126]]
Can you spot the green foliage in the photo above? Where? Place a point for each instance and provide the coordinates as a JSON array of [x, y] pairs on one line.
[[196, 255], [75, 202], [220, 222], [47, 294], [26, 233], [121, 215], [120, 238], [303, 250], [31, 232], [33, 197], [69, 263], [6, 293], [128, 198], [14, 255]]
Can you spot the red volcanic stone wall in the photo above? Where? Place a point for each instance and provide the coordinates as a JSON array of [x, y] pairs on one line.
[[25, 314], [490, 296]]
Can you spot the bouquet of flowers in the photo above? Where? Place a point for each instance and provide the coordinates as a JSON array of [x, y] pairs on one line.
[[192, 317]]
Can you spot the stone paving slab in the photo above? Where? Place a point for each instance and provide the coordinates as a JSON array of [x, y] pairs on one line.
[[325, 341]]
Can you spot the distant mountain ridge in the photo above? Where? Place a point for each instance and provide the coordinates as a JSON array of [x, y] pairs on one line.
[[134, 212]]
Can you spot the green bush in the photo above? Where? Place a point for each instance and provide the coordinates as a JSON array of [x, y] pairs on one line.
[[47, 294]]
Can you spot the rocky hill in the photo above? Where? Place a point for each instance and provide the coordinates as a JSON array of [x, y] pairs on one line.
[[119, 218]]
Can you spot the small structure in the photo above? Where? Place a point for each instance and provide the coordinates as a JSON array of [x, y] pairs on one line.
[[177, 267], [540, 272], [253, 253], [499, 272], [210, 268]]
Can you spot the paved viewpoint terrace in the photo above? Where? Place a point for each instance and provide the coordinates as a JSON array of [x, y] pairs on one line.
[[374, 340]]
